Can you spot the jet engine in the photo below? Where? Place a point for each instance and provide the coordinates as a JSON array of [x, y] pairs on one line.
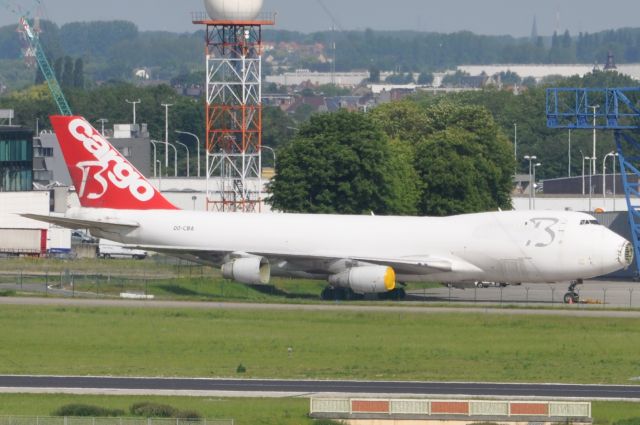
[[366, 279], [250, 270]]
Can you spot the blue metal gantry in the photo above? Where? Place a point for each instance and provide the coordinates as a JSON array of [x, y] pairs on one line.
[[616, 109]]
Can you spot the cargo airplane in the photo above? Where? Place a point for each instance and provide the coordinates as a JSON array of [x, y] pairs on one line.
[[355, 254]]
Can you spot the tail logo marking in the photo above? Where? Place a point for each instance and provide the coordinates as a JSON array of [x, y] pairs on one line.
[[122, 175]]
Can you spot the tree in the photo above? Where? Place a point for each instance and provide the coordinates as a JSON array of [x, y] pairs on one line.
[[465, 165], [67, 72], [374, 75], [404, 120], [78, 74], [341, 163]]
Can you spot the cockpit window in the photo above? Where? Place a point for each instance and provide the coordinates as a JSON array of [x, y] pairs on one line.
[[587, 222]]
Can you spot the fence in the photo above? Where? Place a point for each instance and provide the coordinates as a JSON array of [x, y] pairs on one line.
[[194, 283], [68, 420], [592, 295]]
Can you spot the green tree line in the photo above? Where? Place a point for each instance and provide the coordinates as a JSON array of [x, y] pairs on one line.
[[113, 49]]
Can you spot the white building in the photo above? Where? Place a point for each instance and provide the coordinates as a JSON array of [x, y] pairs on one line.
[[541, 71]]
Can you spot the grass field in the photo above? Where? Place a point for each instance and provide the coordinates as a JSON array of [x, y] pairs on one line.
[[245, 411], [362, 345]]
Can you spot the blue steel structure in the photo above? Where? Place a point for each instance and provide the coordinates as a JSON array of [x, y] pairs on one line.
[[618, 110]]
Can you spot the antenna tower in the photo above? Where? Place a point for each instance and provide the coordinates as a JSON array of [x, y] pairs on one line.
[[233, 50]]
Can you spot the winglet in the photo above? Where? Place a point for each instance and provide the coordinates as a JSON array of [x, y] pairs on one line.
[[102, 176]]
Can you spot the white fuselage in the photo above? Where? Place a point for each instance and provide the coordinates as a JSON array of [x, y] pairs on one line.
[[510, 246]]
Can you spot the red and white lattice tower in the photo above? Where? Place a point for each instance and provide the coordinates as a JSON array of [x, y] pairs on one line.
[[233, 48]]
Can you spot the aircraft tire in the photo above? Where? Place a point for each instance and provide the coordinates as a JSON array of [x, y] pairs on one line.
[[571, 298], [328, 294]]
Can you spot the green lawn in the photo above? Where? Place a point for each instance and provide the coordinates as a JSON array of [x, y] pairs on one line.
[[362, 345], [245, 411]]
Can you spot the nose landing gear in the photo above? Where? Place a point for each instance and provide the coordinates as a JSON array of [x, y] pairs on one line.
[[572, 297]]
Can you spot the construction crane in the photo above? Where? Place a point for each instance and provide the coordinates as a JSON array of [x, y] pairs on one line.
[[615, 109], [43, 63]]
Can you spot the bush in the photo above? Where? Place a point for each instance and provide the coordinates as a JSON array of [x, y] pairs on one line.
[[86, 410], [7, 293], [241, 368], [188, 414], [153, 410]]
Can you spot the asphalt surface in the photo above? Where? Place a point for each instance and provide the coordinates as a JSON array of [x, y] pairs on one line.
[[401, 307], [305, 388]]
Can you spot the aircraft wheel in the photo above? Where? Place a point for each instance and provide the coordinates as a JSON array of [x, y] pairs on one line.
[[328, 294], [571, 298]]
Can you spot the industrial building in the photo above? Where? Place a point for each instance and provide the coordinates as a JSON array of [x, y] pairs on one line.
[[16, 159]]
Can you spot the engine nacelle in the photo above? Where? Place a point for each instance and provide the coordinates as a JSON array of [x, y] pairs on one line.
[[250, 270], [366, 279]]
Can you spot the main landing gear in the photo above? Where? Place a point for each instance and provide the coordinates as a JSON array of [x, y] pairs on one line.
[[345, 294], [572, 297]]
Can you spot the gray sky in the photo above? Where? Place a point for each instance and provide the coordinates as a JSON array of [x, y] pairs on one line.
[[480, 16]]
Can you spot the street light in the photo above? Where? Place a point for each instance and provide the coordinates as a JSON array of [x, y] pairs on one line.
[[134, 103], [534, 183], [593, 158], [273, 152], [590, 176], [102, 121], [155, 156], [175, 160], [613, 155], [188, 162], [197, 146], [530, 158], [166, 133], [159, 163]]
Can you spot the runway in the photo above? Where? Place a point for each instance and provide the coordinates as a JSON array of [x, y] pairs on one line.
[[305, 388]]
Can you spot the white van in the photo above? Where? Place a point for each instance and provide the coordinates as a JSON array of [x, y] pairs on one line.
[[111, 249]]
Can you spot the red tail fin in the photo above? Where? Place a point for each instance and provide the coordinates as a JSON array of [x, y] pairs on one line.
[[102, 176]]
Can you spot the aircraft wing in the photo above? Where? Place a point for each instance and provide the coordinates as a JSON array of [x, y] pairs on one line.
[[75, 223], [422, 265]]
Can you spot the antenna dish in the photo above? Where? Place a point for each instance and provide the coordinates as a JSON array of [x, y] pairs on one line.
[[233, 10]]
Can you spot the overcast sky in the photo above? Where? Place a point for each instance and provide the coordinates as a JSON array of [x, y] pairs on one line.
[[512, 17]]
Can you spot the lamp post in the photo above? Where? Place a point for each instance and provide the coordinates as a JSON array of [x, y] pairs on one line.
[[273, 152], [613, 155], [197, 146], [188, 162], [534, 183], [175, 160], [530, 158], [134, 103], [159, 163], [102, 121], [166, 133], [194, 198], [155, 157], [590, 176], [593, 158]]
